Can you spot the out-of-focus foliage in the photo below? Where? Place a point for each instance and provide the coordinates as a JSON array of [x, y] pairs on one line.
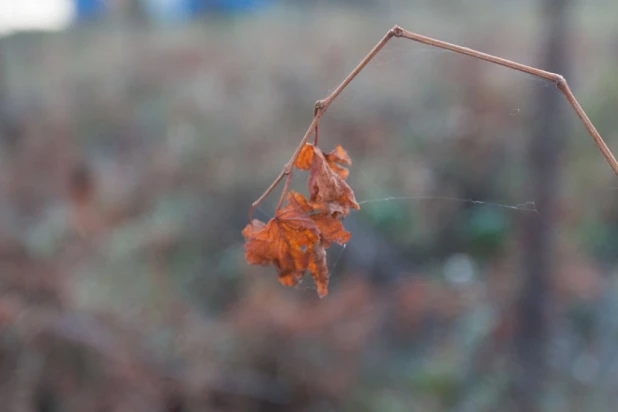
[[129, 154]]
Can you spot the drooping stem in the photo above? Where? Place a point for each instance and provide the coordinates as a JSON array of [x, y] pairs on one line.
[[607, 153], [316, 138], [322, 105], [266, 193], [286, 186], [287, 169], [558, 80], [319, 110]]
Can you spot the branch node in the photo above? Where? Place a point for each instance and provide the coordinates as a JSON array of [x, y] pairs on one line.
[[319, 105], [559, 81], [396, 31]]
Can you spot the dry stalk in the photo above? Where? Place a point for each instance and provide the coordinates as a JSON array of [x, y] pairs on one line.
[[321, 105]]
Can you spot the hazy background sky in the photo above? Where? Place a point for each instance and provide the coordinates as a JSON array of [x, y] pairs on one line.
[[34, 14]]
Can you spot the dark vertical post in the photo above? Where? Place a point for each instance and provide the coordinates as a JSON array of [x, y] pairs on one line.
[[545, 148]]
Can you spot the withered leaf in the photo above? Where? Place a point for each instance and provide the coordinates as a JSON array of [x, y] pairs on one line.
[[326, 178], [283, 242], [331, 229], [325, 186], [336, 159], [318, 268], [296, 239], [305, 157]]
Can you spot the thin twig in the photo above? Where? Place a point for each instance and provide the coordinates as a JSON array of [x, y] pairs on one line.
[[399, 32], [607, 153], [322, 105], [319, 110], [288, 166], [266, 193], [286, 186], [558, 80], [317, 125]]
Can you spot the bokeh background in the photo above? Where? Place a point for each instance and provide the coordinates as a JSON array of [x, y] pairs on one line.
[[134, 135]]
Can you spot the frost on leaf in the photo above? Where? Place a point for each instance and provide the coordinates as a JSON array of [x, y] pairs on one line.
[[296, 239]]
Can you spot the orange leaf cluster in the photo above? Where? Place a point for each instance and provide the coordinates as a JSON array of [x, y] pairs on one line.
[[296, 239]]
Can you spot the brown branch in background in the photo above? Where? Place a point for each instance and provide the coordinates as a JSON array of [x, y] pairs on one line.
[[322, 105]]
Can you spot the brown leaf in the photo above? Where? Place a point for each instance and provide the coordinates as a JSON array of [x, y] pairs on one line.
[[325, 186], [326, 178], [254, 227], [305, 157], [284, 242], [331, 229], [335, 159], [318, 268], [296, 239]]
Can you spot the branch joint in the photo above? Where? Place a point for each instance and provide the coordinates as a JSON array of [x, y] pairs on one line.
[[396, 31]]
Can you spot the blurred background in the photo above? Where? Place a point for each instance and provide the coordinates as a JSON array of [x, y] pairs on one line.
[[134, 134]]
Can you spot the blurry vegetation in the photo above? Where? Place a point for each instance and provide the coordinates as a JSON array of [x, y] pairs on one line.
[[130, 154]]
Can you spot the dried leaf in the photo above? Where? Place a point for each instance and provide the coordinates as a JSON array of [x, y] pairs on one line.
[[335, 159], [318, 268], [331, 229], [326, 178], [325, 186], [305, 157], [252, 228], [284, 242], [296, 239]]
